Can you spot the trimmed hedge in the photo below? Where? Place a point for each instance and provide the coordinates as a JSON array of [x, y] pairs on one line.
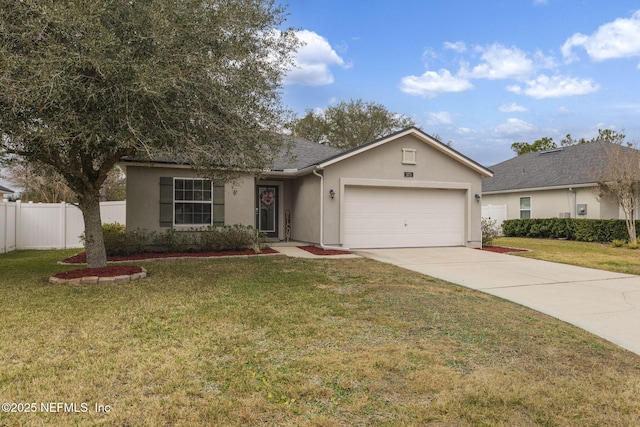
[[583, 230], [118, 241]]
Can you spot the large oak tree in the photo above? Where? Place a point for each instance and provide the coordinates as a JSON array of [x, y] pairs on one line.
[[349, 124], [85, 82]]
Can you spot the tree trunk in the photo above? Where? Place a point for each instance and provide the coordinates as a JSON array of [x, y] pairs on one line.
[[94, 241], [631, 229]]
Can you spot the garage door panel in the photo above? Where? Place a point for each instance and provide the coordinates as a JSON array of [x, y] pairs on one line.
[[402, 217]]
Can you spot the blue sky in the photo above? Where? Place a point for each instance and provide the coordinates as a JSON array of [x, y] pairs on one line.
[[481, 74]]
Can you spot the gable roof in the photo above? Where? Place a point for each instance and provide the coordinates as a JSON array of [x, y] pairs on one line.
[[419, 134], [299, 156], [561, 167]]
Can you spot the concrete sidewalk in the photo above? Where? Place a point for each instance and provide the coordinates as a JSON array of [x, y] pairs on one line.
[[604, 303], [292, 249]]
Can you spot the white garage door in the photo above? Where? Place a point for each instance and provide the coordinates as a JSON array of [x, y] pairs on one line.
[[385, 217]]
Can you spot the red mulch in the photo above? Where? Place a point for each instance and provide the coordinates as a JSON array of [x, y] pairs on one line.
[[501, 249], [109, 271], [319, 251], [81, 258]]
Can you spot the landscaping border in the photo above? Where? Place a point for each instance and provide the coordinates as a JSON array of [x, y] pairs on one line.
[[92, 280]]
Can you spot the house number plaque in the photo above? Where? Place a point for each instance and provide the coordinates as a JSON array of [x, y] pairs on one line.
[[408, 174]]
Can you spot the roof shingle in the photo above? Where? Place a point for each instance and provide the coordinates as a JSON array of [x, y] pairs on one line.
[[565, 166], [302, 154]]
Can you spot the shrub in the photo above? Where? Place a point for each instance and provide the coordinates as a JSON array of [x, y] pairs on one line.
[[230, 238], [618, 243], [580, 229], [489, 231], [118, 241], [172, 241]]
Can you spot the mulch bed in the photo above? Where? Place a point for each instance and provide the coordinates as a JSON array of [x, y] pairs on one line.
[[125, 270], [109, 271], [501, 249], [81, 258], [319, 251]]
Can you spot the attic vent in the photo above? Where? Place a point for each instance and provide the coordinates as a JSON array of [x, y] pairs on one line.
[[555, 150]]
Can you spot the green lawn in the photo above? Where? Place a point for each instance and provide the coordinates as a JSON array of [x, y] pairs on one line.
[[601, 256], [293, 342]]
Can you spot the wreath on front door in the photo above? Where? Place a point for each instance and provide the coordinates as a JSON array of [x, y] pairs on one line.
[[267, 197]]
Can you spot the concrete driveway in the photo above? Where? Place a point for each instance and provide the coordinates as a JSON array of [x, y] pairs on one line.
[[604, 303]]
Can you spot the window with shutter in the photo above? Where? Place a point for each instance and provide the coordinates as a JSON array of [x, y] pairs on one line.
[[166, 201], [191, 202]]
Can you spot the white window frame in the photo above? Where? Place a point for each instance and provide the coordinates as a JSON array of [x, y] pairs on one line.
[[187, 201], [520, 210]]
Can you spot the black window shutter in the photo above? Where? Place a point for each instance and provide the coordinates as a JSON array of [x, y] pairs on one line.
[[166, 201]]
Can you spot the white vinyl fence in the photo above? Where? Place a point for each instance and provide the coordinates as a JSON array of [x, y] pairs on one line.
[[48, 225], [498, 213]]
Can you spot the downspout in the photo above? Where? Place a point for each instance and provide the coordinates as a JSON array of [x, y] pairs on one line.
[[315, 172], [322, 245]]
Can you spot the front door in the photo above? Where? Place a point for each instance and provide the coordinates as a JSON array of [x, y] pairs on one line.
[[267, 210]]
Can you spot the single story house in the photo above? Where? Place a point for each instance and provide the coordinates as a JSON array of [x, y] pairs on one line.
[[4, 190], [404, 190], [561, 182]]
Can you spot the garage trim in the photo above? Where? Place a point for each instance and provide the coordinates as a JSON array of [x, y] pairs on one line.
[[435, 185]]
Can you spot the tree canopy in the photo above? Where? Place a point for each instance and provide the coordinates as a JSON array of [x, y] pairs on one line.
[[546, 143], [349, 124], [541, 144], [619, 179], [86, 82]]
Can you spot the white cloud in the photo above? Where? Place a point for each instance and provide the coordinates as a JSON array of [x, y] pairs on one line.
[[500, 62], [514, 127], [432, 83], [555, 87], [617, 39], [313, 60], [459, 47], [512, 108], [439, 118]]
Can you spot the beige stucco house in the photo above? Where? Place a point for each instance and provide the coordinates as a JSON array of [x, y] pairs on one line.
[[404, 190], [548, 184]]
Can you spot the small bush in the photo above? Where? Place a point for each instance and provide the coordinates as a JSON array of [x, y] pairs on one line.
[[618, 243], [230, 238], [114, 235], [631, 245], [489, 231]]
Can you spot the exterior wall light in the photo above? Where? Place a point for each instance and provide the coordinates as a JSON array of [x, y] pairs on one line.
[[332, 193], [477, 196]]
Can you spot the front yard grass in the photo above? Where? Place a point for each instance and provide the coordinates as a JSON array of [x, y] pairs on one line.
[[293, 342], [601, 256]]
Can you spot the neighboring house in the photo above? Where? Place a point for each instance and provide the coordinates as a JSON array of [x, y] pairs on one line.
[[404, 190], [4, 190], [556, 183]]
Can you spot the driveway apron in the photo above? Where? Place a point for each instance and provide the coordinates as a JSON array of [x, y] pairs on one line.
[[602, 302]]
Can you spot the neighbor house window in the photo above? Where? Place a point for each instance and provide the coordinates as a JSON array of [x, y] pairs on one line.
[[525, 207]]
